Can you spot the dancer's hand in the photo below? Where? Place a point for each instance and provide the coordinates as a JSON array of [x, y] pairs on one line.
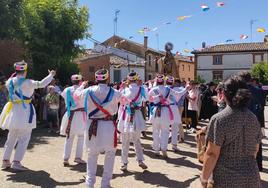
[[52, 72]]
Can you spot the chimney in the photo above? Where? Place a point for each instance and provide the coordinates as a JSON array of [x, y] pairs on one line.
[[203, 45], [266, 39], [145, 44]]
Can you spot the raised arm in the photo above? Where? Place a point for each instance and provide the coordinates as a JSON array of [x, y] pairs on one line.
[[178, 94], [80, 92], [43, 83]]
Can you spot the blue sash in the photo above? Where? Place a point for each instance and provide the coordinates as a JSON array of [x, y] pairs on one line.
[[108, 99], [153, 105], [22, 97], [70, 101], [136, 103]]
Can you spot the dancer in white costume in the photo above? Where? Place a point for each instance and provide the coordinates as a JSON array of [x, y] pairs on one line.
[[18, 115], [175, 109], [101, 104], [161, 113], [73, 122], [131, 122]]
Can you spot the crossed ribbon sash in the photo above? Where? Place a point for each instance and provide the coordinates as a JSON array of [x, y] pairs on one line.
[[132, 106], [109, 117], [163, 103]]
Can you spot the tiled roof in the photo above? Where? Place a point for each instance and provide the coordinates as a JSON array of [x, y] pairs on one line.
[[241, 47], [138, 45], [89, 56]]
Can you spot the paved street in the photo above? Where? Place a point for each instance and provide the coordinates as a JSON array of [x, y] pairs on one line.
[[44, 158]]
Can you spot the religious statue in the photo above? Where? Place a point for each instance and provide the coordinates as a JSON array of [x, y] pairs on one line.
[[167, 63]]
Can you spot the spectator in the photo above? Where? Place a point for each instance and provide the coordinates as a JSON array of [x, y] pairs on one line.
[[209, 106], [53, 102], [233, 139], [256, 105], [220, 97], [193, 98]]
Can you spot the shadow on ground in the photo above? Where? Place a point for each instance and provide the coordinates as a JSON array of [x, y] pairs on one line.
[[38, 178], [156, 179]]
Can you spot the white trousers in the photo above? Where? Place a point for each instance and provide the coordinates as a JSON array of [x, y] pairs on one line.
[[174, 133], [160, 136], [107, 169], [69, 144], [22, 138], [126, 139]]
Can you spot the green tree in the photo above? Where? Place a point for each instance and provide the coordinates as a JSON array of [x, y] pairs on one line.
[[51, 29], [260, 71], [200, 80], [10, 14]]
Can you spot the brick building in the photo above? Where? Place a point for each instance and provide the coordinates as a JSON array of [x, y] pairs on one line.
[[186, 67], [92, 62]]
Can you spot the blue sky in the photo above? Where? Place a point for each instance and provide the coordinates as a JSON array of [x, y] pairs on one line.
[[214, 26]]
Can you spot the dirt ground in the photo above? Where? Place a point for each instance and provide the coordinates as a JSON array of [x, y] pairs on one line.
[[44, 159]]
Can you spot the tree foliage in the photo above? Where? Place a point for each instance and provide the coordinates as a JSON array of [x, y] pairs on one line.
[[51, 29], [200, 80], [260, 71], [10, 14]]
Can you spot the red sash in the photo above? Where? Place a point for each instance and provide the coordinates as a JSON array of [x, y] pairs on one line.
[[107, 116]]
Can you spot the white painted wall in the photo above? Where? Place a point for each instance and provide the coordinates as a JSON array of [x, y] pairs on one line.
[[204, 62], [238, 62], [206, 75], [131, 57]]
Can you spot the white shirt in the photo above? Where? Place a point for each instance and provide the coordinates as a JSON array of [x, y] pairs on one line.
[[131, 92], [193, 104], [78, 103], [100, 91]]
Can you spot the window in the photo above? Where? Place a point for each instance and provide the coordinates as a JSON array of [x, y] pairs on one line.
[[189, 79], [117, 75], [91, 69], [189, 67], [150, 60], [217, 60], [149, 76], [257, 58], [156, 66], [182, 67], [217, 75]]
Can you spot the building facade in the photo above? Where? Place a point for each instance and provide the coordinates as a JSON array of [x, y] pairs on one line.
[[186, 67], [89, 64], [221, 61], [118, 62], [148, 55]]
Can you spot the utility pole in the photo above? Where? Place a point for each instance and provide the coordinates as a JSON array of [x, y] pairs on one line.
[[251, 28], [116, 13]]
